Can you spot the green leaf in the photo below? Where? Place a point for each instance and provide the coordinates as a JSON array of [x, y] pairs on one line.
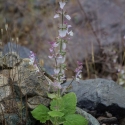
[[70, 101], [57, 104], [52, 96], [41, 113], [75, 119], [55, 114], [60, 120]]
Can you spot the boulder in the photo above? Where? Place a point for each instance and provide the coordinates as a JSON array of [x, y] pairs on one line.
[[22, 51], [5, 89], [100, 95], [33, 85], [33, 102]]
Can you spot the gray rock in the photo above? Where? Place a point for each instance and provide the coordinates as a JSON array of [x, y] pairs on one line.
[[2, 109], [14, 119], [36, 100], [10, 59], [22, 51], [5, 89], [101, 95], [5, 92], [33, 86], [89, 117]]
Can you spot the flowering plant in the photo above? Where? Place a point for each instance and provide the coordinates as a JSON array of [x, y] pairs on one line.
[[62, 107]]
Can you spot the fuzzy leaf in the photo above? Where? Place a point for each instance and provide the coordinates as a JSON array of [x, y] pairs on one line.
[[52, 96], [55, 114], [57, 104], [75, 119], [41, 113], [70, 101]]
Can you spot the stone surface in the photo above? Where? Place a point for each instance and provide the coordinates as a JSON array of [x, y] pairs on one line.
[[100, 95], [5, 89], [10, 59], [36, 100], [89, 117], [3, 80], [5, 92], [33, 85], [2, 109], [22, 51]]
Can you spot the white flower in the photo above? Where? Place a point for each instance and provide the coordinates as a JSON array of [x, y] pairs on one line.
[[121, 82], [51, 50], [51, 56], [32, 58], [31, 61], [61, 59], [36, 68], [68, 17], [122, 71], [63, 46], [69, 26], [62, 4], [56, 16], [78, 76], [70, 33], [63, 71], [55, 84], [56, 71], [77, 79], [62, 32], [55, 44]]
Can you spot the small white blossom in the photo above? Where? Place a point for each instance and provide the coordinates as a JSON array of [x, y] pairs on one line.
[[62, 32], [63, 46], [56, 85], [55, 44], [56, 71], [61, 59], [68, 17], [70, 33], [122, 71], [51, 56], [56, 16], [77, 79], [36, 68], [62, 4]]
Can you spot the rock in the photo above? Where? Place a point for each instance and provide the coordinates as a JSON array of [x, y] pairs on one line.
[[32, 85], [5, 92], [22, 51], [10, 59], [5, 89], [3, 80], [2, 109], [100, 95], [24, 54], [89, 117], [14, 119], [36, 100]]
